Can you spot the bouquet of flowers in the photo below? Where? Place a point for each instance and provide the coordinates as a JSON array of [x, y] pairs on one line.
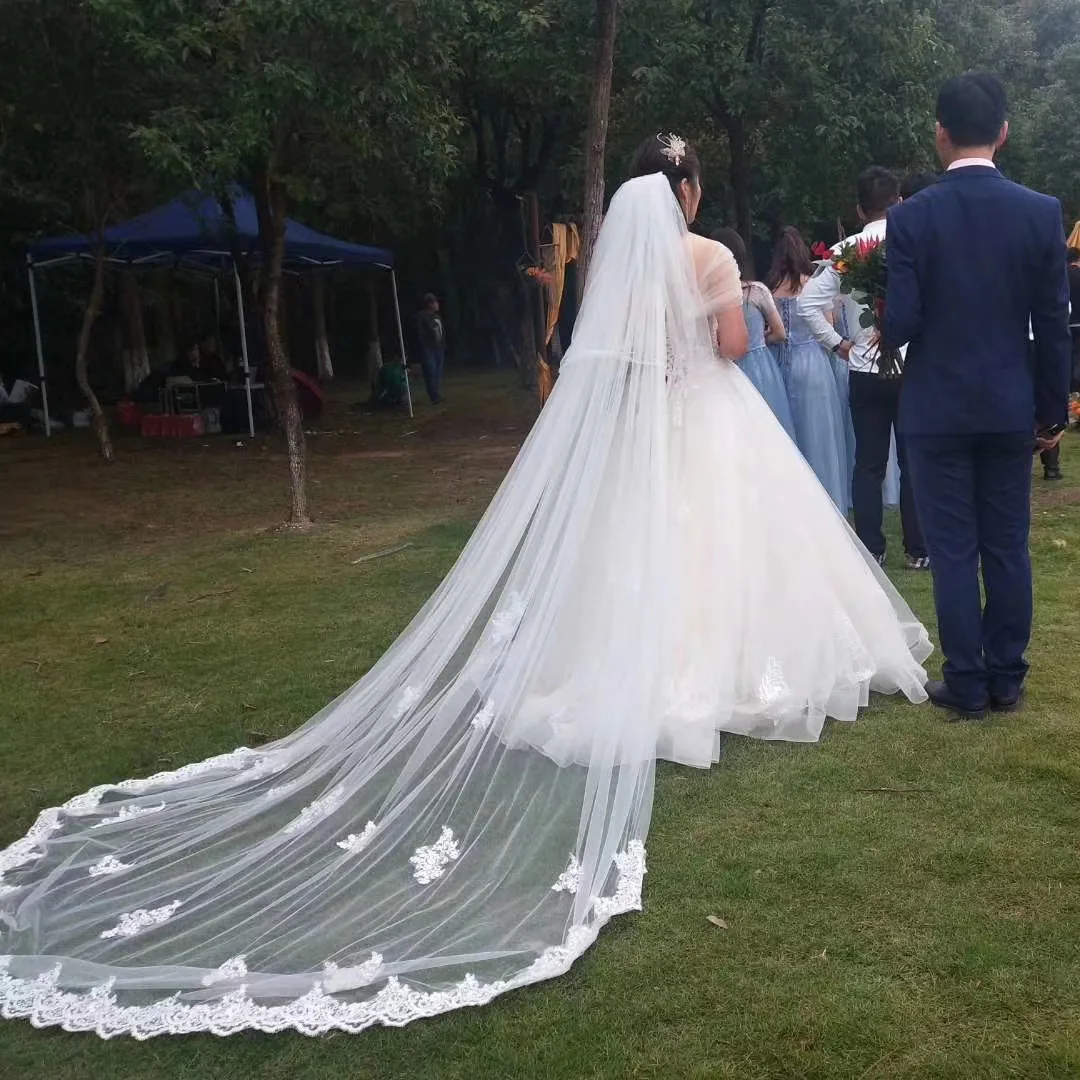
[[861, 266]]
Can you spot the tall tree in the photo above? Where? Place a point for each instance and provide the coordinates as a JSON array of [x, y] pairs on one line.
[[522, 90], [596, 136], [1052, 138], [71, 95], [301, 100], [803, 93]]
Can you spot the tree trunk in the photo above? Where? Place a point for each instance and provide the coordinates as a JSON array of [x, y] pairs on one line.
[[596, 136], [374, 349], [540, 380], [740, 179], [136, 356], [166, 340], [90, 314], [270, 204], [323, 363], [527, 330]]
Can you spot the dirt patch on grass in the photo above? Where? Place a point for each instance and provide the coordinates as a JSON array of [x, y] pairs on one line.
[[365, 469]]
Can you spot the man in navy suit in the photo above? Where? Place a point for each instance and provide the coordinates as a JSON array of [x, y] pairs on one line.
[[972, 261]]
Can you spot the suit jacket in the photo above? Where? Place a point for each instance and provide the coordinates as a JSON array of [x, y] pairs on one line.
[[973, 261]]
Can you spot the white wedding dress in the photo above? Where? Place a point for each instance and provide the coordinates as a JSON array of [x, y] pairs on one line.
[[659, 566]]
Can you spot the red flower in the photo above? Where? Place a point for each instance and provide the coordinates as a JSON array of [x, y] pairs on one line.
[[821, 251], [864, 246]]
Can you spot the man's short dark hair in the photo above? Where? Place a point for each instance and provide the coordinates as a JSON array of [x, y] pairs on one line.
[[430, 299], [971, 108], [878, 189], [913, 183]]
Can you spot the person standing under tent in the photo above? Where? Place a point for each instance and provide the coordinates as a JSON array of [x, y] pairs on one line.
[[431, 336]]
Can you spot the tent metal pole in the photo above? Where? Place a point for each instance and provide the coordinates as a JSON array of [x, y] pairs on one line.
[[40, 351], [401, 342], [244, 350]]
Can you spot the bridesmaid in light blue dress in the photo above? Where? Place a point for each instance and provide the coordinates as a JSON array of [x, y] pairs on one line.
[[816, 408], [764, 327]]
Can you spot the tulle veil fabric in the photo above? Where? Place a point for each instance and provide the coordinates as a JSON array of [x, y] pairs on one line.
[[466, 818]]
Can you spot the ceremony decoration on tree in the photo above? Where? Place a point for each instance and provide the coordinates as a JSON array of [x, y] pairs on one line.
[[540, 275], [862, 269]]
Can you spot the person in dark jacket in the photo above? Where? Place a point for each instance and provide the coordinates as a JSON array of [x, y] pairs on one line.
[[976, 263]]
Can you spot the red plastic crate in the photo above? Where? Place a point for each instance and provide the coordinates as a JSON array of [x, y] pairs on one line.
[[184, 426], [128, 414]]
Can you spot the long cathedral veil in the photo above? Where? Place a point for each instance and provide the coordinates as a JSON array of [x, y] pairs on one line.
[[456, 824]]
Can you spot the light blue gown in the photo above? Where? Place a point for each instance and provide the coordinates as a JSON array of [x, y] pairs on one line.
[[819, 414], [759, 364]]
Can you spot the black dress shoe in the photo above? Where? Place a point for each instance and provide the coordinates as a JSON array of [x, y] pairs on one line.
[[944, 698], [1052, 474], [1010, 704]]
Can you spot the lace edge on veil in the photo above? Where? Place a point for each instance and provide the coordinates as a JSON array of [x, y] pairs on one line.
[[41, 1001]]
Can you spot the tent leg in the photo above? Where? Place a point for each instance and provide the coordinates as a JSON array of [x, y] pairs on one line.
[[40, 351], [244, 350], [401, 342]]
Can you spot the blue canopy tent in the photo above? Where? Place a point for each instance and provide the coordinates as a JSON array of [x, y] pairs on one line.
[[197, 231]]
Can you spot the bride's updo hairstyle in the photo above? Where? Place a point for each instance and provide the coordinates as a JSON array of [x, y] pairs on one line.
[[669, 154]]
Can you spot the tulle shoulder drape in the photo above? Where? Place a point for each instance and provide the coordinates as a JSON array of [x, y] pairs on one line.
[[717, 275]]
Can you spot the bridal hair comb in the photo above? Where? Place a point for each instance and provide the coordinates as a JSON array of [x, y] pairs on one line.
[[673, 147]]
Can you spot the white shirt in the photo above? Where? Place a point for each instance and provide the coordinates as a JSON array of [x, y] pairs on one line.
[[820, 297]]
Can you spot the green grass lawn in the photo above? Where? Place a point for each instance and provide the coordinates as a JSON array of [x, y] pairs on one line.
[[902, 900]]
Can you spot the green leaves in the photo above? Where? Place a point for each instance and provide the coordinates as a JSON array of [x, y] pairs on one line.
[[340, 97]]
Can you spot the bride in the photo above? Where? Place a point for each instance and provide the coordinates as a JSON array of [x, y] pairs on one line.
[[660, 566]]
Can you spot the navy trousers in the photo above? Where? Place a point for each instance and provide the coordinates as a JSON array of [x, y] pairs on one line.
[[973, 493]]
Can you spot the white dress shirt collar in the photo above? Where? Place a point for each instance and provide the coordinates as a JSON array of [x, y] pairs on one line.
[[873, 230], [968, 162]]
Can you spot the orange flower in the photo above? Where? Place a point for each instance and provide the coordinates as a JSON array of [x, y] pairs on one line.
[[841, 267]]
